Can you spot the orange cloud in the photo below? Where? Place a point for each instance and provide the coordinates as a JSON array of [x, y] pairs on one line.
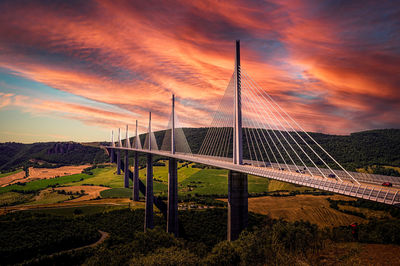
[[318, 60]]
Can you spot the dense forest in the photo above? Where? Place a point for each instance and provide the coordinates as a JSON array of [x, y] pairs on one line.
[[201, 242]]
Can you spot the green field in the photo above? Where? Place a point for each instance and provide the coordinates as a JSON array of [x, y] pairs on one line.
[[160, 173], [193, 181], [49, 197], [44, 183], [215, 182], [275, 185], [86, 210], [190, 181], [10, 173], [116, 193], [11, 198], [200, 182], [103, 176]]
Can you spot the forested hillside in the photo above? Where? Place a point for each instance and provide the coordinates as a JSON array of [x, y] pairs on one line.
[[357, 150], [47, 154]]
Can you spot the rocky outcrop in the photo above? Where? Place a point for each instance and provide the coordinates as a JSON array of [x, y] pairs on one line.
[[62, 147]]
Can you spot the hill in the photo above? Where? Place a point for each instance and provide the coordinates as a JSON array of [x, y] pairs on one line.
[[48, 154], [376, 148], [357, 150]]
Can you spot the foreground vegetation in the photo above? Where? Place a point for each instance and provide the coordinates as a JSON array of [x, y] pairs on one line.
[[201, 241]]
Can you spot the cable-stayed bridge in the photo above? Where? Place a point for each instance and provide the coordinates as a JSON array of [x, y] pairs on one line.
[[250, 133]]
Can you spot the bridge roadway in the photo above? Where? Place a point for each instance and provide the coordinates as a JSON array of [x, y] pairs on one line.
[[373, 192]]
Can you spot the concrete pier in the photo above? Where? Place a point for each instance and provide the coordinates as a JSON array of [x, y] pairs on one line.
[[172, 214], [237, 204], [148, 220], [118, 162], [112, 156], [126, 171], [135, 180]]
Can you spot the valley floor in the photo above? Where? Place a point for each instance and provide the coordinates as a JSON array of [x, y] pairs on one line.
[[80, 194]]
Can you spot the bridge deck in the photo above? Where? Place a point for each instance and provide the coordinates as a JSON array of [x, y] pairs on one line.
[[367, 189]]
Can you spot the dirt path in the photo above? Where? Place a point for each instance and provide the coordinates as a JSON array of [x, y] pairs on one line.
[[104, 236]]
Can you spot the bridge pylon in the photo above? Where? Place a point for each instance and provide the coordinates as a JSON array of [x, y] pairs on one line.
[[238, 136], [172, 212], [135, 181], [237, 182], [119, 153], [148, 220], [126, 165], [112, 151]]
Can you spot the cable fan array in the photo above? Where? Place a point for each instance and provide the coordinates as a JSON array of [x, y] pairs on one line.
[[271, 137], [181, 143], [218, 141]]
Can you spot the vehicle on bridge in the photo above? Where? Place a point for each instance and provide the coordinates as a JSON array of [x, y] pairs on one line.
[[387, 184]]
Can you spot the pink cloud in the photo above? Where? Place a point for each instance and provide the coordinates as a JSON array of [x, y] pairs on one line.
[[136, 56]]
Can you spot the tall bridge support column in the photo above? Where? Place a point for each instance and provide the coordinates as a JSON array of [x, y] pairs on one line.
[[148, 219], [237, 204], [135, 180], [112, 156], [118, 162], [172, 214], [126, 171]]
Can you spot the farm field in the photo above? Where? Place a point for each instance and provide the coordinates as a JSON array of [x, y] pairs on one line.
[[104, 183], [91, 192], [48, 196], [160, 173], [106, 176], [116, 193], [275, 185], [10, 173], [14, 198], [41, 173], [44, 183], [52, 207], [79, 210], [200, 182], [8, 178], [314, 209], [215, 182]]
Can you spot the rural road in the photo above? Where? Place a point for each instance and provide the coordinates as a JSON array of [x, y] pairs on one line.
[[104, 236]]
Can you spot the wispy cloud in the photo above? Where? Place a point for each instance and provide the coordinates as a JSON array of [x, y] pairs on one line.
[[322, 61]]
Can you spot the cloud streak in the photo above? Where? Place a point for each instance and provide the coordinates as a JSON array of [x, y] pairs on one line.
[[320, 61]]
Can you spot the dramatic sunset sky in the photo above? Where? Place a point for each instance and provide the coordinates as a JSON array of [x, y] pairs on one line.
[[74, 70]]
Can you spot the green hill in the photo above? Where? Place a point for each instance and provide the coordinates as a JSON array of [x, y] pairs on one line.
[[357, 150], [47, 154]]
